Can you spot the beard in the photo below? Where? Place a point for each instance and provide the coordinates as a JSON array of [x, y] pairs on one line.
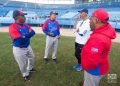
[[92, 27], [22, 21]]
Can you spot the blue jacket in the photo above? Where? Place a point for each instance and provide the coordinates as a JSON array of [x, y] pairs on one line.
[[21, 35], [51, 27]]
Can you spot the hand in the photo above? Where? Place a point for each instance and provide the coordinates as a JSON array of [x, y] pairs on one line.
[[77, 30], [75, 21], [58, 37], [77, 18]]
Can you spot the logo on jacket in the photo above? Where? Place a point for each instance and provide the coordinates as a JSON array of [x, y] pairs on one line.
[[94, 50]]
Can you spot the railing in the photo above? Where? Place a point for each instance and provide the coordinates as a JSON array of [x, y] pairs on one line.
[[60, 6]]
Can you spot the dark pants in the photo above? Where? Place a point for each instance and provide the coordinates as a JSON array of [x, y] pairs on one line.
[[78, 49]]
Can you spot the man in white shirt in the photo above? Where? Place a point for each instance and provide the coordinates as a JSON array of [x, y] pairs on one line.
[[82, 31]]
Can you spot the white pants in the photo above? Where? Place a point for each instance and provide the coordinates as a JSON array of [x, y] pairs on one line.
[[51, 42], [91, 80], [25, 59]]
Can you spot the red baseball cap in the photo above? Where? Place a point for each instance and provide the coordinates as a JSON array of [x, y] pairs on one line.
[[101, 14], [18, 13]]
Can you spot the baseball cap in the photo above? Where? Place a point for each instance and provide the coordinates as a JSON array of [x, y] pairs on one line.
[[84, 10], [18, 13], [101, 14], [53, 12]]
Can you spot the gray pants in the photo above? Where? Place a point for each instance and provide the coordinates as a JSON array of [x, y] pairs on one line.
[[51, 42], [25, 59], [91, 80]]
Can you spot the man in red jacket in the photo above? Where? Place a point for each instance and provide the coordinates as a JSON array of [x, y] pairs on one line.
[[95, 52]]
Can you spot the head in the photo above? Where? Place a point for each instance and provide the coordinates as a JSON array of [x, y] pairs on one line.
[[53, 15], [99, 17], [19, 16], [20, 19], [83, 13]]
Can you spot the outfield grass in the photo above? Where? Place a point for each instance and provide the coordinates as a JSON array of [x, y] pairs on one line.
[[61, 74]]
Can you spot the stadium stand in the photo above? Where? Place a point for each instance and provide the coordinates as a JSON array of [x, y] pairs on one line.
[[67, 13], [3, 1]]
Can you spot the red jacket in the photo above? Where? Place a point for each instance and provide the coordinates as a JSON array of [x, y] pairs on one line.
[[96, 50]]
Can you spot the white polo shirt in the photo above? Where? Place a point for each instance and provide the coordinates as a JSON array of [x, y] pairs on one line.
[[84, 31]]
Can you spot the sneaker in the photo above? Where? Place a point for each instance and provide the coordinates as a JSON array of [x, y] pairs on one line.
[[27, 78], [32, 70], [46, 61], [76, 66], [55, 61], [79, 68]]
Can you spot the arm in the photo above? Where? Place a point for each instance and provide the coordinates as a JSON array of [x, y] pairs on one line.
[[58, 30], [31, 32], [15, 35], [44, 27], [91, 54], [76, 24]]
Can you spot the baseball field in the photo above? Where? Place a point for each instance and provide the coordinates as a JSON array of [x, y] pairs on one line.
[[51, 74]]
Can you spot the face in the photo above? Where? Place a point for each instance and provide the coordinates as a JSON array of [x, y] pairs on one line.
[[21, 19], [53, 16], [83, 14], [93, 22]]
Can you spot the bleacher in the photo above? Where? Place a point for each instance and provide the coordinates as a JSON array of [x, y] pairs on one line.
[[18, 4], [3, 1], [67, 13], [3, 12]]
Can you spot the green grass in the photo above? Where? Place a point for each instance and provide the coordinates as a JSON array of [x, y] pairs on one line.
[[61, 74]]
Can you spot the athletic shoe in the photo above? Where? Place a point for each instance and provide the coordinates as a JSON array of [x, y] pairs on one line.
[[79, 68], [55, 61], [76, 66], [46, 61], [27, 78], [32, 70]]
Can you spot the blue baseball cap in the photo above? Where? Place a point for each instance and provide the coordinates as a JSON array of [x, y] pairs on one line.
[[84, 10], [18, 13]]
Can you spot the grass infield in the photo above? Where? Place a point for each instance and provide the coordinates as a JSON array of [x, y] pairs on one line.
[[60, 74]]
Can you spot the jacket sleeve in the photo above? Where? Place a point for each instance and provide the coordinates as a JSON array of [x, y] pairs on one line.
[[15, 35], [58, 31], [44, 27], [91, 54], [14, 32], [31, 32]]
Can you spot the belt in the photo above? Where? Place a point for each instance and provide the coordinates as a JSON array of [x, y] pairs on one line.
[[51, 36]]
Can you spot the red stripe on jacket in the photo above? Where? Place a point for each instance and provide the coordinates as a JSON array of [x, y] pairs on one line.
[[13, 30]]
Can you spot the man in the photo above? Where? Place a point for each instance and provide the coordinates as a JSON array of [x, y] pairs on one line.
[[82, 30], [95, 52], [51, 28], [20, 34]]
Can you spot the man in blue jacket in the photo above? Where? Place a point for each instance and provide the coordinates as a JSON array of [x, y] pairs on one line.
[[51, 28], [21, 34]]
